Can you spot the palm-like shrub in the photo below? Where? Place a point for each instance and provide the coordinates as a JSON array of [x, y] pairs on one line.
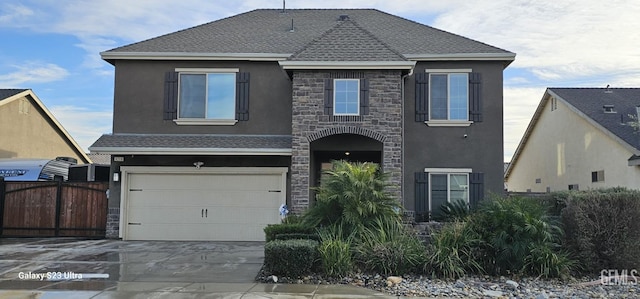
[[520, 237], [452, 251], [353, 196], [389, 248], [335, 251], [457, 210]]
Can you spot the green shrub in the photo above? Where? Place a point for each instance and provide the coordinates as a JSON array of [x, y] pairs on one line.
[[294, 236], [272, 230], [546, 261], [511, 229], [453, 211], [353, 196], [335, 252], [290, 258], [451, 252], [389, 248], [603, 228]]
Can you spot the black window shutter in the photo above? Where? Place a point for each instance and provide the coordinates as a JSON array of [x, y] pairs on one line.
[[422, 97], [364, 96], [475, 100], [328, 96], [422, 196], [170, 95], [242, 96], [476, 187]]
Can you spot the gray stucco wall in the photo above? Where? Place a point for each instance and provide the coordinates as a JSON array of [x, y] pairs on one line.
[[139, 98], [446, 147]]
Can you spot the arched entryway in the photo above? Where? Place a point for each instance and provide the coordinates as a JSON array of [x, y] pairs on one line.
[[349, 147]]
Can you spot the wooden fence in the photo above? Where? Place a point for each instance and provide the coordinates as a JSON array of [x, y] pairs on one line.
[[53, 209]]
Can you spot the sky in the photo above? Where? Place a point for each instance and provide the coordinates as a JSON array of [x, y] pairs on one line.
[[53, 47]]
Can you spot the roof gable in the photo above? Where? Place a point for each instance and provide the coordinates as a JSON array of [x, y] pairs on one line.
[[589, 103], [347, 42], [268, 31]]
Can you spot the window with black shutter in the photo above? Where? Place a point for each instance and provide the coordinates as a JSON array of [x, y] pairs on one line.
[[448, 97], [195, 96]]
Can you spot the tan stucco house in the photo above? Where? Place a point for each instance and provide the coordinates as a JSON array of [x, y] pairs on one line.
[[579, 138], [29, 130]]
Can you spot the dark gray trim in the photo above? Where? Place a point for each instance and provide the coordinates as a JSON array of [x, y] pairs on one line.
[[475, 98], [421, 196], [422, 97], [242, 96], [476, 188], [328, 96], [170, 95], [364, 96]]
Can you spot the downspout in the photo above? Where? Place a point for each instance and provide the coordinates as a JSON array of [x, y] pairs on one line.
[[403, 134]]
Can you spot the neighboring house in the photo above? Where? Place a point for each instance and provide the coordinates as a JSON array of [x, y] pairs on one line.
[[29, 130], [579, 138], [216, 126]]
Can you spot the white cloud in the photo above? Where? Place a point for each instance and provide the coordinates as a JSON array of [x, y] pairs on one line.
[[32, 72], [84, 125], [12, 12], [556, 40]]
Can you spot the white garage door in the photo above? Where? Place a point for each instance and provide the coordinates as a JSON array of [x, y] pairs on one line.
[[194, 206]]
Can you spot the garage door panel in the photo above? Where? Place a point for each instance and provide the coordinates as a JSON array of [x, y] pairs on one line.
[[170, 206], [205, 182]]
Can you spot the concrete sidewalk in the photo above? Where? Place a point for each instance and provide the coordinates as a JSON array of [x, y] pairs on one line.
[[201, 290], [72, 268]]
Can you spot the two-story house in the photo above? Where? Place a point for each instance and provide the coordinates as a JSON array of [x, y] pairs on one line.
[[216, 126]]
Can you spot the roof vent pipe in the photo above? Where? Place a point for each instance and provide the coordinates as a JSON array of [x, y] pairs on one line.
[[292, 28], [284, 5]]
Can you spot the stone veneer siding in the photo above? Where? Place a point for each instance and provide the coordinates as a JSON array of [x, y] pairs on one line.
[[309, 123], [113, 223]]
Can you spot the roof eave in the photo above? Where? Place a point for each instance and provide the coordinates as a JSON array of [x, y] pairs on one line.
[[507, 57], [111, 56], [341, 65], [192, 151]]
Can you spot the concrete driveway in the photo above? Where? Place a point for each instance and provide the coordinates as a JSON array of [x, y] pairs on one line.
[[72, 268], [139, 261]]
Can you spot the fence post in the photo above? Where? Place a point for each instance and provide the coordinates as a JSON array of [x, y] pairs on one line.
[[58, 207], [3, 191]]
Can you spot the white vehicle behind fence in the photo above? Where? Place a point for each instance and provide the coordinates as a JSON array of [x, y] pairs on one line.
[[36, 169]]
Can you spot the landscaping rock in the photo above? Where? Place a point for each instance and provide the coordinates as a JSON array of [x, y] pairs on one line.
[[393, 280], [491, 293], [512, 285]]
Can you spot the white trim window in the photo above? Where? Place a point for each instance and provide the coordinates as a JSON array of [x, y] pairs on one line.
[[449, 96], [346, 97], [207, 94], [447, 187]]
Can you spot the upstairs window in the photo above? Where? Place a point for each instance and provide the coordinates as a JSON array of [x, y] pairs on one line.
[[346, 97], [196, 96], [449, 94], [208, 96], [448, 97]]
